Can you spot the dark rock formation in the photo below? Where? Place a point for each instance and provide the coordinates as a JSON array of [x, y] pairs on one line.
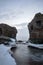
[[36, 28], [6, 30]]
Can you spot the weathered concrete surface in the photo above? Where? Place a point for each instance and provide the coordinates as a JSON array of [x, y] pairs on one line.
[[35, 28]]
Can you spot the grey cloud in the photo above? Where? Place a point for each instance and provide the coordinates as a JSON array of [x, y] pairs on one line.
[[4, 16], [11, 14], [22, 24]]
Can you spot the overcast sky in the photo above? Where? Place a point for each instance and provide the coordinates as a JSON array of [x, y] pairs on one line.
[[19, 11]]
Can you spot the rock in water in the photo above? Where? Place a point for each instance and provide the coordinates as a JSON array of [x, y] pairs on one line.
[[8, 31], [35, 28]]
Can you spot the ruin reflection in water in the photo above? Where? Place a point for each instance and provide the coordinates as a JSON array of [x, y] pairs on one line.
[[35, 56]]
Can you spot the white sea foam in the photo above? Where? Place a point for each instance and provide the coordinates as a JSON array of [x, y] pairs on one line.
[[40, 46], [5, 57]]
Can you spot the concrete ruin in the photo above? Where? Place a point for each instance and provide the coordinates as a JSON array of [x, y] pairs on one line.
[[6, 30], [35, 28]]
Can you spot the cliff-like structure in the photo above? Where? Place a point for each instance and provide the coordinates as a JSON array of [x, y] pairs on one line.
[[8, 31], [35, 28]]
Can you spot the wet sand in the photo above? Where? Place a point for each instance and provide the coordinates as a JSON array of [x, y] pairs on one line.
[[22, 57]]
